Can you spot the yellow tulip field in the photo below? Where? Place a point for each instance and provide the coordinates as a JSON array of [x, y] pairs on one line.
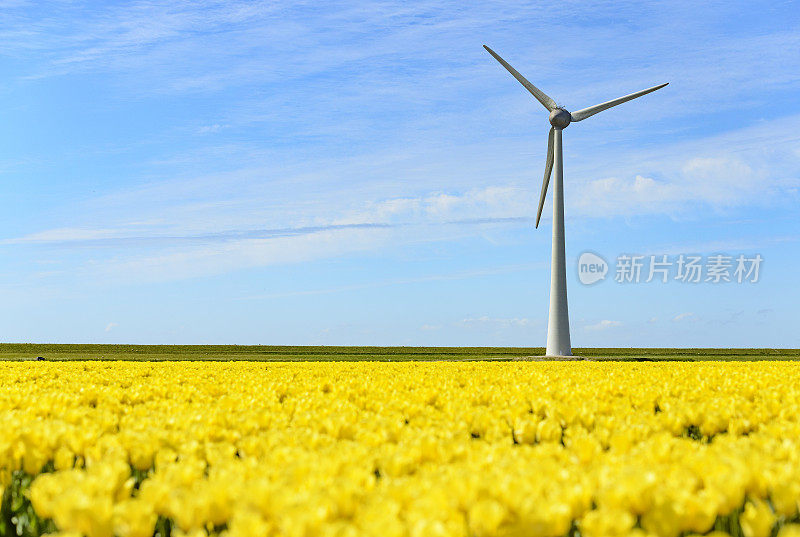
[[135, 449]]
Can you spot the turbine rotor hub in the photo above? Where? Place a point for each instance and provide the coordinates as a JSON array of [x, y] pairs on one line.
[[560, 118]]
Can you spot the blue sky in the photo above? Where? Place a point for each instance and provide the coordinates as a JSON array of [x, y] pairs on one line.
[[365, 173]]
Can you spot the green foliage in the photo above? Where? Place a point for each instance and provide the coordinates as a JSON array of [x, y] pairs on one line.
[[163, 527], [17, 517], [266, 353]]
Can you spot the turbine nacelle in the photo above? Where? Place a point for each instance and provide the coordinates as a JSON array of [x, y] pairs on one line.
[[560, 118]]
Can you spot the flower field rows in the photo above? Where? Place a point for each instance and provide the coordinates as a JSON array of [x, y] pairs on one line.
[[400, 449]]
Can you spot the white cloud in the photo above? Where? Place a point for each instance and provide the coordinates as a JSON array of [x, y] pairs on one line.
[[722, 181], [750, 166], [110, 326], [491, 202], [683, 316], [188, 262], [700, 181], [64, 235], [605, 324], [498, 322], [613, 192], [207, 129]]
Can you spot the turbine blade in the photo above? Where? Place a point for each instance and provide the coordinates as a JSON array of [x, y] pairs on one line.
[[548, 169], [592, 110], [541, 96]]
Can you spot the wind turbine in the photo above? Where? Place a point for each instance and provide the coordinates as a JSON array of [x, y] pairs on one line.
[[558, 343]]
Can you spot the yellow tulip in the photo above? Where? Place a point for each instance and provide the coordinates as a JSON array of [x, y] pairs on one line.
[[757, 519]]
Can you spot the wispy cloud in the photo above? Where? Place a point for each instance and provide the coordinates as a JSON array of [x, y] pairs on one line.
[[683, 317], [723, 172], [605, 324], [209, 45], [116, 238], [64, 235], [487, 321], [164, 249], [229, 209], [492, 271]]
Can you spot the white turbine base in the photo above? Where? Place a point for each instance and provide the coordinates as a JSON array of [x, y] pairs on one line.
[[541, 358], [558, 341]]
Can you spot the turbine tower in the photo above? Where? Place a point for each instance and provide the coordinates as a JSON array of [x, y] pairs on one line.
[[558, 342]]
